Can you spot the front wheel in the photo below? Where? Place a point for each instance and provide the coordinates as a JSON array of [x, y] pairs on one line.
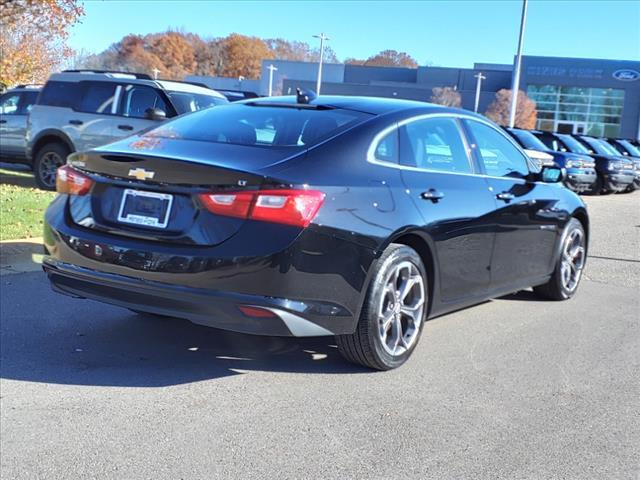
[[393, 313], [564, 282]]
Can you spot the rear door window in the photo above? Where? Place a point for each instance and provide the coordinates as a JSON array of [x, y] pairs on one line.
[[137, 99], [26, 102], [434, 144], [60, 94], [387, 148], [98, 97]]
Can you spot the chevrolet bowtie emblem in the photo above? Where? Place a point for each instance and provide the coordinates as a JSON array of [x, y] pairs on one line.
[[141, 174]]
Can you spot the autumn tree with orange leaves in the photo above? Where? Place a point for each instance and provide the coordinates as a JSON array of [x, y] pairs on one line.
[[33, 36], [526, 113], [386, 58]]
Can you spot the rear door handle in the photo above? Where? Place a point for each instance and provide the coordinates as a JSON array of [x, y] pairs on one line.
[[125, 127], [3, 121], [433, 195], [505, 196], [76, 122]]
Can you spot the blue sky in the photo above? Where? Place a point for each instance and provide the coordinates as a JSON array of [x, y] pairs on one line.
[[451, 34]]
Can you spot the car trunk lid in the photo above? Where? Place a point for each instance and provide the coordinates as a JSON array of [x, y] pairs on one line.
[[151, 191]]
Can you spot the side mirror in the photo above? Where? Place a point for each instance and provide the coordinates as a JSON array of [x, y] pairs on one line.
[[552, 174], [155, 114]]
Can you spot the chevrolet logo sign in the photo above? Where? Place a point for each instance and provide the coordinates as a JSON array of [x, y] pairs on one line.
[[141, 174]]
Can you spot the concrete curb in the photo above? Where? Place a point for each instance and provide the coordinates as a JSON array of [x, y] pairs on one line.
[[20, 256]]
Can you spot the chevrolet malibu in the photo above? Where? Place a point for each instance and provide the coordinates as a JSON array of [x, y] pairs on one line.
[[301, 216]]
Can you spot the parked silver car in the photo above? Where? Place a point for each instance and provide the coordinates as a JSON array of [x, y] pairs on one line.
[[15, 105], [80, 110]]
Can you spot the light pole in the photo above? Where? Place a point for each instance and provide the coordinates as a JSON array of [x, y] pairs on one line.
[[322, 38], [271, 69], [480, 77], [516, 71]]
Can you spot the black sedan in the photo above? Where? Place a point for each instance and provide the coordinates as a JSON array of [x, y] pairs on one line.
[[345, 216]]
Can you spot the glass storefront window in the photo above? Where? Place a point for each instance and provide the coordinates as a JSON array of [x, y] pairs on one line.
[[595, 111]]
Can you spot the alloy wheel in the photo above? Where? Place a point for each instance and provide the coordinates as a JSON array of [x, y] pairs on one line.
[[572, 262], [401, 308], [48, 167]]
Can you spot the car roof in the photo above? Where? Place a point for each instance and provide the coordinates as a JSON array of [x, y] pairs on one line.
[[24, 88], [372, 105], [135, 78]]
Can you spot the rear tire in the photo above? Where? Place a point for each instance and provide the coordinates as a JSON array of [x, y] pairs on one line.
[[47, 160], [564, 282], [393, 313]]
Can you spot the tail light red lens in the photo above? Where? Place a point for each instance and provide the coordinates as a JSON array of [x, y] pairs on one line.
[[71, 182], [289, 207]]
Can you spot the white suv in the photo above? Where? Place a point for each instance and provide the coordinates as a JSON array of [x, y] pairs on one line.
[[79, 110]]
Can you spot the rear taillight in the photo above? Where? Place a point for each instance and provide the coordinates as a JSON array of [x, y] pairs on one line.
[[72, 182], [289, 207]]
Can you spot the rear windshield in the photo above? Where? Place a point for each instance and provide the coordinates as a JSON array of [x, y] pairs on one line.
[[186, 102], [243, 124]]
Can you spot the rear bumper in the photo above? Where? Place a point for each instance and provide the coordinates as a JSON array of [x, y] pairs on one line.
[[314, 284], [204, 307], [581, 179]]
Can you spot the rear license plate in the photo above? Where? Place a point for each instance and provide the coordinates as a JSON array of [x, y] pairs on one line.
[[149, 209]]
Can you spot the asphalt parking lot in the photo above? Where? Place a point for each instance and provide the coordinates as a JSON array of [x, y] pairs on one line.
[[513, 388]]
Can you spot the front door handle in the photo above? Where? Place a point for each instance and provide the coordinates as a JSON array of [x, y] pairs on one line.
[[76, 122], [3, 121], [505, 196], [125, 127], [433, 195]]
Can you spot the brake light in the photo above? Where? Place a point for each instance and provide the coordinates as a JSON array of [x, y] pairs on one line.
[[289, 207], [71, 182]]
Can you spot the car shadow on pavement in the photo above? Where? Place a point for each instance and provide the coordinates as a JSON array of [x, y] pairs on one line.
[[125, 349], [523, 296]]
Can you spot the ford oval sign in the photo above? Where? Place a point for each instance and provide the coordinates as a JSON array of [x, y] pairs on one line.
[[626, 75]]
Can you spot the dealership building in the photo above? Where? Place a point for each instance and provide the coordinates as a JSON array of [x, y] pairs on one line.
[[573, 95]]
